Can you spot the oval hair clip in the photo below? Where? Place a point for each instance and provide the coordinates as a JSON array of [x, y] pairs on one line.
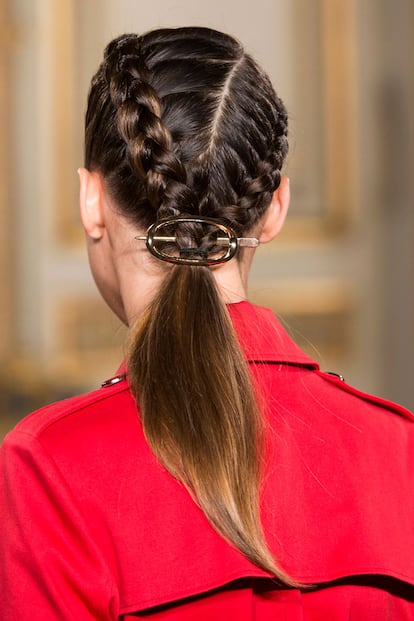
[[228, 239]]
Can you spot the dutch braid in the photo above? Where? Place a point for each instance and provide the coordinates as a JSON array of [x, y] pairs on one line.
[[148, 141]]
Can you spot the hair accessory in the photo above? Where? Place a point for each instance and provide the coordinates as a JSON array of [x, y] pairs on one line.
[[224, 246]]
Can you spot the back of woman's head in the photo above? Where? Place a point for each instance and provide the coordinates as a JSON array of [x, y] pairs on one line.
[[183, 121]]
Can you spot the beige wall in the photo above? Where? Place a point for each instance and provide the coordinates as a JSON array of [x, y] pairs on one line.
[[342, 273]]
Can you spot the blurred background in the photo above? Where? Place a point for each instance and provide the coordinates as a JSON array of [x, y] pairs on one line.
[[341, 275]]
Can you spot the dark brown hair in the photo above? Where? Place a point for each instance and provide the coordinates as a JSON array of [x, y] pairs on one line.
[[183, 121]]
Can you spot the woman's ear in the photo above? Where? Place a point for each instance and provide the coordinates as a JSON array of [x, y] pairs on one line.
[[275, 215], [91, 198]]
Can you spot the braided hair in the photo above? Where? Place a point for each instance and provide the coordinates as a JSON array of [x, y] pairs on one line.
[[183, 121]]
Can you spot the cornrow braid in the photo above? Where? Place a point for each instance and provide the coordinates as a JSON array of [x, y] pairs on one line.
[[183, 121]]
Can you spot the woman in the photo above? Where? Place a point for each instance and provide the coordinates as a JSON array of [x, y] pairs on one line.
[[219, 474]]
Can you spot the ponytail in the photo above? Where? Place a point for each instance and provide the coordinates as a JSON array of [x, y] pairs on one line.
[[199, 411]]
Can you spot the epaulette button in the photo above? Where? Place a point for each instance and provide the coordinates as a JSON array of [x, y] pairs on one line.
[[341, 377], [113, 380]]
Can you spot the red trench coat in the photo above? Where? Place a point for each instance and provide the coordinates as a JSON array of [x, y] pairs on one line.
[[94, 528]]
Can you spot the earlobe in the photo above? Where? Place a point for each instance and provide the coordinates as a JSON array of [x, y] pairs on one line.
[[91, 203], [275, 215]]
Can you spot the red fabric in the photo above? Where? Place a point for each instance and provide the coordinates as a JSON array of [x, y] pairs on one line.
[[94, 528]]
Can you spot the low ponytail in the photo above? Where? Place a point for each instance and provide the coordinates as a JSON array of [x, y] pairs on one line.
[[199, 411]]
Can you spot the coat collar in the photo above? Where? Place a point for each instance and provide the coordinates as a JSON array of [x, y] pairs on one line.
[[268, 341]]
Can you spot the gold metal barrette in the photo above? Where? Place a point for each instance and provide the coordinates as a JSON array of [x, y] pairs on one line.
[[224, 246]]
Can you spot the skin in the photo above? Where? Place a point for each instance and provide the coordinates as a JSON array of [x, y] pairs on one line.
[[128, 276]]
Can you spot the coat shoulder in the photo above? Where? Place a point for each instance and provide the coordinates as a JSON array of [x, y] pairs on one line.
[[335, 383], [67, 413]]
